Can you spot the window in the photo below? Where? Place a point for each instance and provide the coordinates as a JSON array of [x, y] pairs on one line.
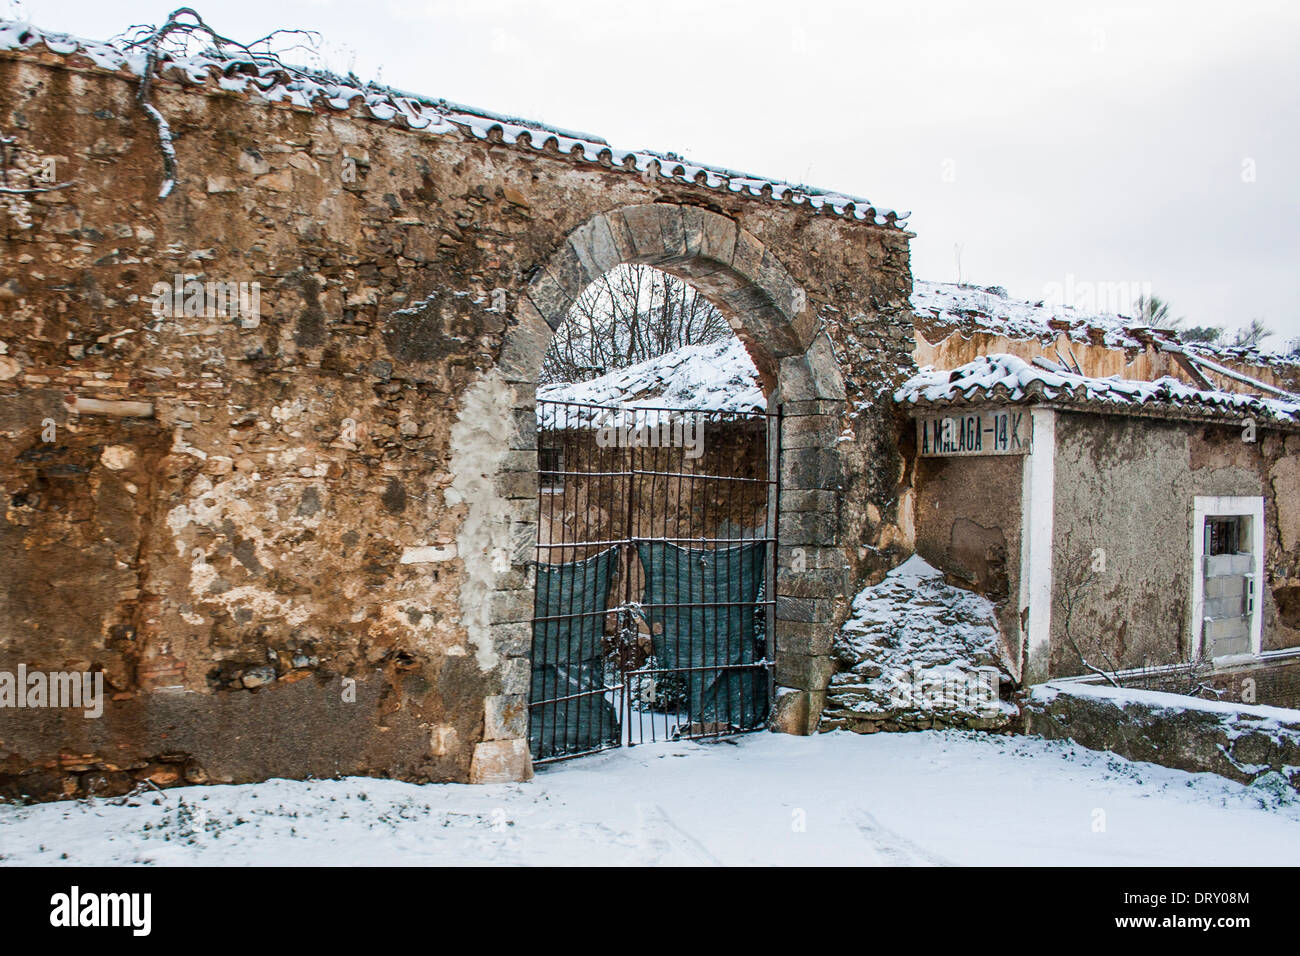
[[1224, 535]]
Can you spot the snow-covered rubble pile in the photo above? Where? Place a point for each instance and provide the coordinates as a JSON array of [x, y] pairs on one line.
[[307, 88], [1002, 377], [918, 651], [718, 377]]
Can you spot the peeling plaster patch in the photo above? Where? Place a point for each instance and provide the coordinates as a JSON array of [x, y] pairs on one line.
[[1285, 478], [222, 508], [480, 440], [428, 555], [907, 517], [263, 604], [182, 447], [202, 574], [289, 410], [397, 619]]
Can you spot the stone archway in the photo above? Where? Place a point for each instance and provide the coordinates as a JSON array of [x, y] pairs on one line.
[[768, 311]]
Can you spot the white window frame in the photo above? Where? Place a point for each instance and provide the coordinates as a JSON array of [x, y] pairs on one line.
[[1213, 506]]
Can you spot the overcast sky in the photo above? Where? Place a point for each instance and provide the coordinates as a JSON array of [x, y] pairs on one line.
[[1077, 148]]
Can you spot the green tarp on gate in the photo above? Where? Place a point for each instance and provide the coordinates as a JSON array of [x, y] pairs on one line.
[[716, 638], [568, 658], [568, 646]]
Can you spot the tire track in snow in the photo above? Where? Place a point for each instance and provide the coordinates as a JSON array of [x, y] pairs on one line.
[[660, 835], [893, 848]]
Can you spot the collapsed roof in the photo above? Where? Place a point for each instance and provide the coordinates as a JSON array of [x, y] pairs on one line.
[[942, 308]]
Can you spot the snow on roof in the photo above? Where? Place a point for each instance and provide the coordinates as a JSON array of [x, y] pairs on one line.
[[717, 377], [1008, 378], [246, 75]]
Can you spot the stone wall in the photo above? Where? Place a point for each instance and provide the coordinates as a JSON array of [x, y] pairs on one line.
[[297, 542], [1241, 742]]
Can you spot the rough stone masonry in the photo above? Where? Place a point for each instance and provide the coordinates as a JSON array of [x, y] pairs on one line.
[[295, 540]]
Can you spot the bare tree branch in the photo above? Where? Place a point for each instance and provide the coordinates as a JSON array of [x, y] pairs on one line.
[[631, 314], [185, 33]]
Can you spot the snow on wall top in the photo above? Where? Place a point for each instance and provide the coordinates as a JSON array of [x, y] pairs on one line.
[[1258, 714], [245, 75], [1008, 378], [913, 620], [718, 377]]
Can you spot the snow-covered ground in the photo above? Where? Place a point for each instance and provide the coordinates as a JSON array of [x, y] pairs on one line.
[[930, 798]]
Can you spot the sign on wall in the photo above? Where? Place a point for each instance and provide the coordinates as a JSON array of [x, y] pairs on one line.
[[990, 431]]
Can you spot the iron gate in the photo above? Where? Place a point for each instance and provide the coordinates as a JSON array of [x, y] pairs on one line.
[[656, 549]]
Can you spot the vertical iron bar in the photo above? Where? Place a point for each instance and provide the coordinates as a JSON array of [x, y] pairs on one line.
[[625, 658], [774, 472]]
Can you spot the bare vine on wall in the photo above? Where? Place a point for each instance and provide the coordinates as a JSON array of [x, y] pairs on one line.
[[185, 34], [1081, 575], [1083, 570]]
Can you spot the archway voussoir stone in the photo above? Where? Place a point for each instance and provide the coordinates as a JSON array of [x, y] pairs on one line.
[[621, 235], [595, 246], [672, 227], [719, 238], [550, 298], [786, 294], [806, 326], [693, 230], [644, 224], [527, 337], [568, 270], [748, 255]]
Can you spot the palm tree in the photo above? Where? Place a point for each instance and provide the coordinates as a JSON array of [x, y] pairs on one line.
[[1154, 312], [1252, 335]]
